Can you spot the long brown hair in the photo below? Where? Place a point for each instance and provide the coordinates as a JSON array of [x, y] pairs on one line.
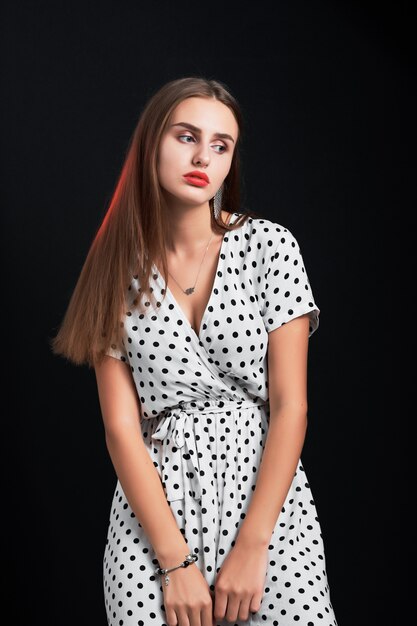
[[132, 233]]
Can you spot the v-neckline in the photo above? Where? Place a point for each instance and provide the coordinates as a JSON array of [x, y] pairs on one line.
[[174, 300]]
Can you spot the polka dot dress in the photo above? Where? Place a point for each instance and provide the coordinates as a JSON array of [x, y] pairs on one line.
[[204, 400]]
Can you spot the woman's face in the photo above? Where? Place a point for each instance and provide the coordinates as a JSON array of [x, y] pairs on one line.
[[201, 136]]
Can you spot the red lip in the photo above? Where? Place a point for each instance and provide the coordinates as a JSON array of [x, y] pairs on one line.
[[198, 174]]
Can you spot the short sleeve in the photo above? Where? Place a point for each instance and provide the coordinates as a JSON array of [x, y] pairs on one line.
[[287, 290], [118, 350], [118, 347]]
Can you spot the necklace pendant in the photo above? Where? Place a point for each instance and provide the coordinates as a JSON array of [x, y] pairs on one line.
[[189, 291]]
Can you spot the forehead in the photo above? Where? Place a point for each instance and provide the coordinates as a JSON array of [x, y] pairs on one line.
[[206, 113]]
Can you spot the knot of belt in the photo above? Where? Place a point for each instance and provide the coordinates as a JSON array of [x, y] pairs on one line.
[[175, 431]]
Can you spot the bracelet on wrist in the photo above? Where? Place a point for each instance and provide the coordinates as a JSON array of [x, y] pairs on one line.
[[189, 559]]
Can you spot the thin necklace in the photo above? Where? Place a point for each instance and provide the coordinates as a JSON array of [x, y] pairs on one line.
[[190, 290]]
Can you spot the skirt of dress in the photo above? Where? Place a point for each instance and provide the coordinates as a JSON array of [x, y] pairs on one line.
[[208, 455]]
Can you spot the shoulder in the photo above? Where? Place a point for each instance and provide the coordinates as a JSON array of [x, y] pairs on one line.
[[272, 235], [131, 293]]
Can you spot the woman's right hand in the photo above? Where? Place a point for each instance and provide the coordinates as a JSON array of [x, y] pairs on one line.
[[187, 598]]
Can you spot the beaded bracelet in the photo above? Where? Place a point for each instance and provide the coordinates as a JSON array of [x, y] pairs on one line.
[[190, 558]]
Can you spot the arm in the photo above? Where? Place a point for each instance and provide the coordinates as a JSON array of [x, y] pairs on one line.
[[287, 384], [133, 465], [242, 575]]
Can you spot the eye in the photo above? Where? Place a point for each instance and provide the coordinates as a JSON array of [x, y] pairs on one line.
[[187, 137], [223, 148]]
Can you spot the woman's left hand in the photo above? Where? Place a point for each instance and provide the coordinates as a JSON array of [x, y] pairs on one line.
[[240, 583]]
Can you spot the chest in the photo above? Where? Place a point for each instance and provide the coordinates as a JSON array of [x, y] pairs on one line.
[[198, 274]]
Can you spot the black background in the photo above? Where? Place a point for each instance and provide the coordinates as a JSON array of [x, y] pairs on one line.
[[328, 97]]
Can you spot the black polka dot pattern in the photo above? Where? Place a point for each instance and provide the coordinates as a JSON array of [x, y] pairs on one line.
[[204, 400]]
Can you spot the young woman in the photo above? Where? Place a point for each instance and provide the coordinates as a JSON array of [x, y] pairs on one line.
[[196, 318]]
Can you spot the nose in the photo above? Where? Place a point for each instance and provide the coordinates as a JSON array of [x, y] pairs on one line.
[[201, 157]]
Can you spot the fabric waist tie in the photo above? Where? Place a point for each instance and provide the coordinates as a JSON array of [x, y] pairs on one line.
[[180, 466], [175, 430]]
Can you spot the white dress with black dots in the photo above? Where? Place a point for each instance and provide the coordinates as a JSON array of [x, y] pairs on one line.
[[204, 400]]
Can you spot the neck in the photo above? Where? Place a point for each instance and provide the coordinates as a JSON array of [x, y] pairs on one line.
[[189, 229]]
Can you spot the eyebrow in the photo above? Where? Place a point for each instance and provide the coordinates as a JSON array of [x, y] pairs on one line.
[[198, 130]]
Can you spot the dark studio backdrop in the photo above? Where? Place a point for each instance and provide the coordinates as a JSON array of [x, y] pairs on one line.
[[328, 96]]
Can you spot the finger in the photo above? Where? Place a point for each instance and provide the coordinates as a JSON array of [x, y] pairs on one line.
[[255, 603], [232, 608], [220, 604], [182, 617], [172, 619], [194, 616], [207, 615], [244, 612], [210, 612]]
